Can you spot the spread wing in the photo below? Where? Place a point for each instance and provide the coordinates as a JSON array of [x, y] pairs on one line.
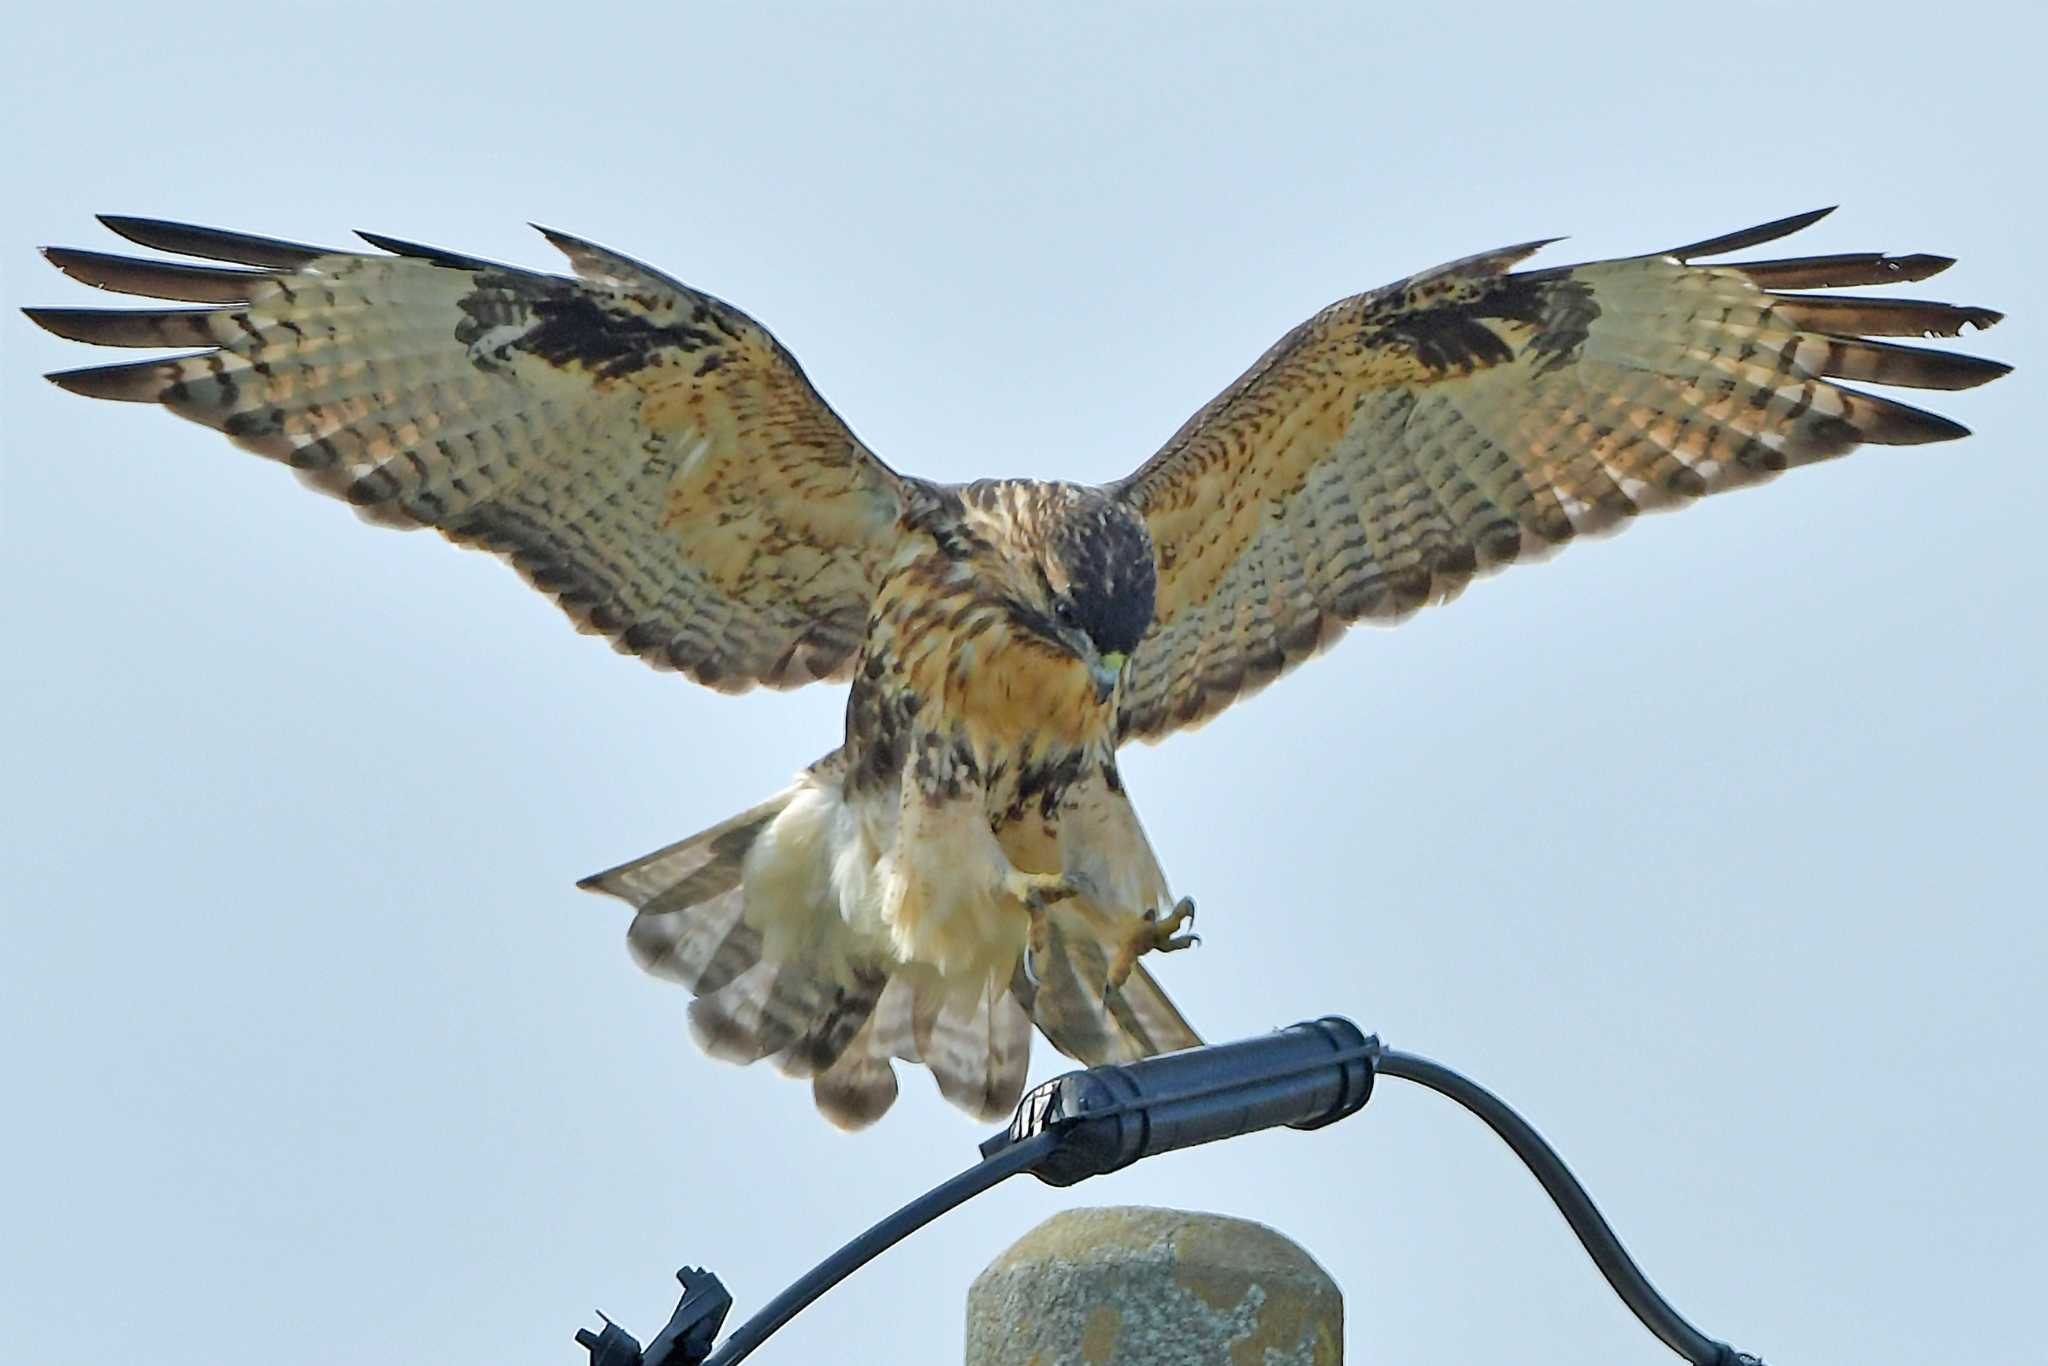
[[644, 453], [1402, 442]]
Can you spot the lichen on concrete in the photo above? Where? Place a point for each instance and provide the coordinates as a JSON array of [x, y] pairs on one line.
[[1131, 1286]]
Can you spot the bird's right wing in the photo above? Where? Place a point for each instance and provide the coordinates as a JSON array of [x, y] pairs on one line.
[[647, 455]]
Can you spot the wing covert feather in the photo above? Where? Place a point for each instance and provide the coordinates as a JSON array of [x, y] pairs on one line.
[[1404, 441]]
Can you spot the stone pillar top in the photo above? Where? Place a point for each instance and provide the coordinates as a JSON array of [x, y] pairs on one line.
[[1135, 1286]]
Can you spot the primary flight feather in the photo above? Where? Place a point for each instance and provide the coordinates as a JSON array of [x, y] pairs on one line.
[[967, 864]]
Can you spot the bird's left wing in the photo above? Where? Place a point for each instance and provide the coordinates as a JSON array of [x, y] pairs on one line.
[[647, 455], [1403, 441]]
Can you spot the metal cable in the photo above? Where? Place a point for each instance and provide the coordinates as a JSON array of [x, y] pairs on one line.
[[1573, 1203], [883, 1236]]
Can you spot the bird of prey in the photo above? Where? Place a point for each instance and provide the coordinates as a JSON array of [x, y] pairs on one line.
[[967, 864]]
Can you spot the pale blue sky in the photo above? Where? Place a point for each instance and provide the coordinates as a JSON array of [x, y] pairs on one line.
[[1715, 847]]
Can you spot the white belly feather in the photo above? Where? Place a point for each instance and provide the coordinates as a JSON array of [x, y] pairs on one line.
[[865, 876]]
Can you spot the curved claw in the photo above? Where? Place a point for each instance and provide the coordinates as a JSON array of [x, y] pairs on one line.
[[1164, 940], [1153, 933]]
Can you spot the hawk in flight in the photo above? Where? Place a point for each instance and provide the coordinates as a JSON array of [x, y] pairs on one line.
[[967, 863]]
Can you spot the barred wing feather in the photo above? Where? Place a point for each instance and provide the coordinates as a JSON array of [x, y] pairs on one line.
[[1402, 442], [644, 453]]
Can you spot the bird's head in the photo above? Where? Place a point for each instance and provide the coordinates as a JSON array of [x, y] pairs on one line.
[[1079, 570]]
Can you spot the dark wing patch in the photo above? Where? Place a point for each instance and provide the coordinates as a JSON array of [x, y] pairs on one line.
[[569, 327], [1460, 318]]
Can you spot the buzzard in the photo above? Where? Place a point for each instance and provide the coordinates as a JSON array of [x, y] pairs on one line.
[[967, 863]]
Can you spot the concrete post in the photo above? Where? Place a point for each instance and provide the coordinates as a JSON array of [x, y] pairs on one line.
[[1129, 1286]]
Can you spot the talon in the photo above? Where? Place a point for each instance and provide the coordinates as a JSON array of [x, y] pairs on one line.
[[1164, 940], [1152, 933]]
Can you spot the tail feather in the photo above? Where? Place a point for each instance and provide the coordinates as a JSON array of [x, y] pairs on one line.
[[978, 1048], [690, 870], [823, 1004], [757, 1015], [834, 1021], [856, 1090], [701, 946]]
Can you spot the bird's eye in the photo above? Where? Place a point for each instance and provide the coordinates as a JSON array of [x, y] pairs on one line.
[[1064, 610]]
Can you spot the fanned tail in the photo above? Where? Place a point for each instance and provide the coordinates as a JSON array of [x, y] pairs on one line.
[[793, 984], [787, 980]]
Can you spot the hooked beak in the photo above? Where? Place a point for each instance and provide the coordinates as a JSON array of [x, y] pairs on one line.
[[1105, 672]]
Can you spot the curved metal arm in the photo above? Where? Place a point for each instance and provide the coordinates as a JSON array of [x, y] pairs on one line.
[[1091, 1122], [879, 1239], [1573, 1203]]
